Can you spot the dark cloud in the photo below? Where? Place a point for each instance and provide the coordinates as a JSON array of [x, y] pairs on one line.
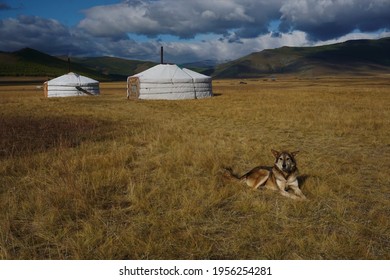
[[52, 37], [327, 19], [4, 6], [231, 38], [34, 32]]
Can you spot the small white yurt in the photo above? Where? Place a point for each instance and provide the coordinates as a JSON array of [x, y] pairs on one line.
[[170, 82], [71, 84]]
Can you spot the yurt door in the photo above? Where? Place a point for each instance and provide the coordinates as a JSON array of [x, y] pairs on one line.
[[133, 88], [45, 89]]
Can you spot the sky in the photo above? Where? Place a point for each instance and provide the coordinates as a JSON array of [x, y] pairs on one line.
[[189, 30]]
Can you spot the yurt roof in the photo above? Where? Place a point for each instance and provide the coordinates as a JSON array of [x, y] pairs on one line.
[[164, 73], [72, 79], [197, 76]]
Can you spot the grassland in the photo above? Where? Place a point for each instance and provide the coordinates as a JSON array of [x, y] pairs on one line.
[[108, 178]]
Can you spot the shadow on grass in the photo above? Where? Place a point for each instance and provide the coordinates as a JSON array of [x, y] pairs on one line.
[[24, 135]]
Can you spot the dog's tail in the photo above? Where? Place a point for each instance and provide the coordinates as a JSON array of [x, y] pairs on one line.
[[228, 173]]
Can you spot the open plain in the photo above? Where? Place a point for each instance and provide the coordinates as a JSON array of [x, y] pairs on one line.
[[110, 178]]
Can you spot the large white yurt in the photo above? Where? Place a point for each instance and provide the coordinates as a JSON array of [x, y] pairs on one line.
[[71, 84], [170, 82]]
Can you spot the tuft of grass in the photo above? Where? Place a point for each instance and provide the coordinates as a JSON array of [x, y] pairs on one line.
[[107, 178]]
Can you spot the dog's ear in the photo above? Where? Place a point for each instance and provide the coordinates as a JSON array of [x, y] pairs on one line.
[[275, 153], [294, 153]]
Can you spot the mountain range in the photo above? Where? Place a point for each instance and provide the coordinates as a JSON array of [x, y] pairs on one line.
[[356, 57]]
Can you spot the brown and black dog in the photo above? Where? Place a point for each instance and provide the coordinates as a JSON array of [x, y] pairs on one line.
[[282, 176]]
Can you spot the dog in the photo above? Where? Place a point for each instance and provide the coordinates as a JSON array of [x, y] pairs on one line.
[[282, 176]]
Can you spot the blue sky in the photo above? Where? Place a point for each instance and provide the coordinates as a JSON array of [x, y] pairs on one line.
[[68, 12], [189, 30]]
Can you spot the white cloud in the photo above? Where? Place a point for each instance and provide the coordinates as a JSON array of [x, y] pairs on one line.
[[355, 36], [181, 18], [117, 20], [321, 19]]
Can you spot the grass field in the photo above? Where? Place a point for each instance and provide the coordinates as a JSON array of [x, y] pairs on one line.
[[107, 178]]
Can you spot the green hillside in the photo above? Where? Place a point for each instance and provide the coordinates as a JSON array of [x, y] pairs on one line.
[[351, 57], [32, 63]]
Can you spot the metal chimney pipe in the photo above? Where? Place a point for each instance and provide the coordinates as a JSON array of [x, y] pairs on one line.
[[68, 64], [162, 55]]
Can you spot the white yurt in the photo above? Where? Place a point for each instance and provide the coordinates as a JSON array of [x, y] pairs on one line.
[[71, 84], [165, 81]]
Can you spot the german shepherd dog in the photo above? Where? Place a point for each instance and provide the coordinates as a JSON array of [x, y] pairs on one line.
[[281, 177]]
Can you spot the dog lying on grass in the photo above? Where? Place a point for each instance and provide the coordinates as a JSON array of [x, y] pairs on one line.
[[282, 176]]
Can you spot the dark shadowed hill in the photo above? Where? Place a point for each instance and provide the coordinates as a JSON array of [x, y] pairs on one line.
[[28, 62], [32, 63], [351, 57], [114, 66]]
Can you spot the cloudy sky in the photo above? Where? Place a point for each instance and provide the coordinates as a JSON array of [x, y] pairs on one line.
[[189, 30]]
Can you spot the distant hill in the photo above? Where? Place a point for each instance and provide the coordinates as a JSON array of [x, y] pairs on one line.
[[28, 62], [358, 57], [204, 66], [114, 66], [32, 63], [351, 57]]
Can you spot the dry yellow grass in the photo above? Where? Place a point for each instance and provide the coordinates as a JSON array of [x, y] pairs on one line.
[[107, 178]]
